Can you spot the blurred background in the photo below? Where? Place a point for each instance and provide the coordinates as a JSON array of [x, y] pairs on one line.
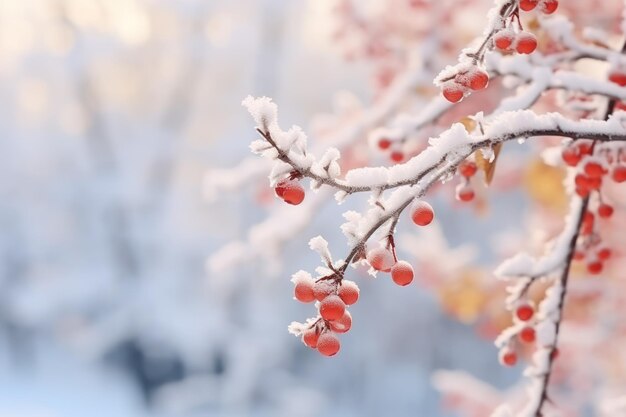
[[114, 114]]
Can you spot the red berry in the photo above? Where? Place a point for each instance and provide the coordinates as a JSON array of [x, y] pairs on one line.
[[453, 92], [348, 291], [524, 312], [343, 324], [571, 156], [605, 211], [594, 267], [464, 192], [328, 344], [526, 43], [402, 273], [508, 357], [293, 193], [280, 187], [582, 192], [503, 40], [304, 291], [477, 79], [604, 254], [584, 147], [397, 156], [618, 78], [549, 6], [528, 5], [422, 213], [619, 173], [380, 259], [579, 255], [332, 307], [468, 169], [384, 143], [323, 289], [594, 170], [581, 180], [310, 338], [527, 335], [595, 183]]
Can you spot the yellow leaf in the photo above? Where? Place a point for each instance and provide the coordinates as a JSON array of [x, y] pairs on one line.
[[544, 184], [488, 168], [469, 123], [464, 298]]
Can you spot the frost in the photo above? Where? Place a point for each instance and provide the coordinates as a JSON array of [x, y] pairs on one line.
[[301, 276], [263, 111], [320, 245]]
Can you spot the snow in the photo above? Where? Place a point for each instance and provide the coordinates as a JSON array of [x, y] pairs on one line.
[[320, 245], [263, 111], [523, 265]]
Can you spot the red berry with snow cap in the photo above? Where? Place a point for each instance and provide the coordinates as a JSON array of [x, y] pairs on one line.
[[402, 273], [468, 169], [571, 156], [292, 192], [508, 357], [380, 259], [503, 40], [310, 338], [527, 335], [464, 192], [528, 5], [342, 324], [525, 312], [526, 43], [348, 291], [328, 344], [332, 307], [303, 290], [452, 91], [549, 6], [422, 213]]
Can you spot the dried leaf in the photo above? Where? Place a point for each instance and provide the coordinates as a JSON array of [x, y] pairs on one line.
[[469, 123], [488, 168]]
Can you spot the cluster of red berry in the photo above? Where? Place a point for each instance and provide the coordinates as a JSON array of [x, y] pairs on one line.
[[384, 259], [507, 40], [465, 191], [456, 87], [512, 37], [524, 314], [546, 6], [592, 169], [589, 248], [333, 295], [395, 155], [290, 190]]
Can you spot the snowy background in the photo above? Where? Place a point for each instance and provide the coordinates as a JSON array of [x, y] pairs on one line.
[[111, 114]]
